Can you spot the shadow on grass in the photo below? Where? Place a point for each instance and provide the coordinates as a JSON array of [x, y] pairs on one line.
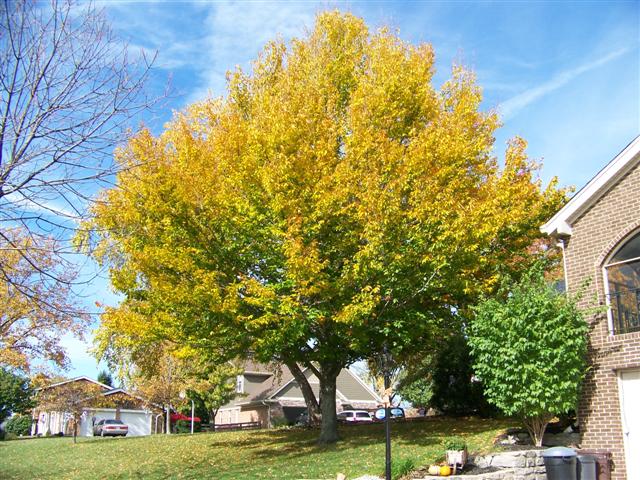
[[428, 432], [294, 443]]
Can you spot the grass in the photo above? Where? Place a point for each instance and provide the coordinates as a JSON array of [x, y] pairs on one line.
[[262, 454]]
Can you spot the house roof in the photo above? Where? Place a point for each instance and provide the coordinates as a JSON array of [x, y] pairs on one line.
[[129, 394], [562, 222], [107, 390], [349, 387], [283, 385], [267, 380], [76, 379]]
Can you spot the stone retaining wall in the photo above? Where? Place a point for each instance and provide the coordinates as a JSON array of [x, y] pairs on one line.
[[520, 465]]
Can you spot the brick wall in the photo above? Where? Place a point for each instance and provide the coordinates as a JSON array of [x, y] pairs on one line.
[[595, 234]]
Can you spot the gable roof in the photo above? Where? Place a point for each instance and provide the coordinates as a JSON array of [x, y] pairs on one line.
[[562, 222], [76, 379], [106, 390], [349, 388], [279, 381], [122, 391]]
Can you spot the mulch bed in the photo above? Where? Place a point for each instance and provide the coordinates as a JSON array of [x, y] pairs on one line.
[[468, 470]]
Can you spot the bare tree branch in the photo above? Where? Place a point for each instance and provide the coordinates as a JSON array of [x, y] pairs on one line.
[[69, 91]]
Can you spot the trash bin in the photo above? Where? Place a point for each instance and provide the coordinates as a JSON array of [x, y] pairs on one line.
[[586, 467], [603, 462], [560, 463]]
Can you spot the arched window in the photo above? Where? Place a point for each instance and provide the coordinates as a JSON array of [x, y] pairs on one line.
[[622, 274]]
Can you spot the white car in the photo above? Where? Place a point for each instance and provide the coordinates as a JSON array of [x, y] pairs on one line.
[[348, 416], [109, 427]]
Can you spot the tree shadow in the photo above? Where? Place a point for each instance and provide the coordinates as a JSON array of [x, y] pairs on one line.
[[428, 432]]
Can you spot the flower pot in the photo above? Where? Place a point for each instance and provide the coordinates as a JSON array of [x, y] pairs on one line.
[[457, 458]]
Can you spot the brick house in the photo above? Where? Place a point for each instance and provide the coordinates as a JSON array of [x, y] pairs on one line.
[[599, 231], [271, 396]]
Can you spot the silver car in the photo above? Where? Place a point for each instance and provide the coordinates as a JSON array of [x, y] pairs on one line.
[[110, 427]]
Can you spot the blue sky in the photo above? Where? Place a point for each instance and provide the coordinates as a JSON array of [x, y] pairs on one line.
[[563, 75]]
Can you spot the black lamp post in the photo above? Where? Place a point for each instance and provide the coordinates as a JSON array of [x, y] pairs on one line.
[[386, 367]]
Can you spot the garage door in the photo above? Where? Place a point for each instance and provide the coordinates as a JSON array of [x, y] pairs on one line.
[[93, 416], [630, 399], [139, 423]]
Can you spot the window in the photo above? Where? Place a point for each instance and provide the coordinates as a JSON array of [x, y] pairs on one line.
[[622, 276], [240, 384]]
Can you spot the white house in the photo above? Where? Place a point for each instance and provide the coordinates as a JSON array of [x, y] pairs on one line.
[[141, 417]]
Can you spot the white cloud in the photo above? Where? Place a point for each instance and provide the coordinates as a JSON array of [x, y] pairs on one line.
[[217, 37], [512, 106], [236, 34], [46, 207]]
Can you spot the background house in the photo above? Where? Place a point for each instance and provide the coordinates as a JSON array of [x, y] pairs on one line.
[[599, 230], [142, 419], [272, 396]]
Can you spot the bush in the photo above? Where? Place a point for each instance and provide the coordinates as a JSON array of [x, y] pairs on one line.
[[19, 425], [184, 426], [400, 468], [444, 379], [278, 421], [455, 391], [529, 344]]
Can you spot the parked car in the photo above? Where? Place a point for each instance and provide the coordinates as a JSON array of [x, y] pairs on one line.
[[397, 413], [104, 428], [348, 416]]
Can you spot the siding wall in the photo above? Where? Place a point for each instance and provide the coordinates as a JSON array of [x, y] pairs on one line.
[[595, 235]]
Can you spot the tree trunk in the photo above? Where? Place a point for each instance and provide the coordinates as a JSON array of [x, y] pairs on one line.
[[75, 431], [212, 422], [168, 423], [329, 424], [309, 397], [536, 427]]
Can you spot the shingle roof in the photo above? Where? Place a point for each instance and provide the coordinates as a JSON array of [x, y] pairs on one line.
[[76, 379], [274, 377], [267, 382]]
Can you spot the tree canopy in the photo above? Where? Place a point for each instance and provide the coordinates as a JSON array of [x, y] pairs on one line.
[[36, 307], [105, 378], [334, 200], [15, 394], [529, 347]]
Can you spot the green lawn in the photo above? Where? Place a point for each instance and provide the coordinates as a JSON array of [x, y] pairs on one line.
[[262, 454]]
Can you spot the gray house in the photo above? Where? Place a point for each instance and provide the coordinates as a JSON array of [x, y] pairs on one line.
[[270, 395]]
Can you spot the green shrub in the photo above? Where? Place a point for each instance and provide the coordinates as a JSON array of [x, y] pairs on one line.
[[454, 443], [455, 390], [529, 343], [184, 426], [444, 379], [10, 436], [277, 421], [19, 425], [400, 468]]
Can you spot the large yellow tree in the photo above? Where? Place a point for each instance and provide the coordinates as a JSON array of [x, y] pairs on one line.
[[333, 201]]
